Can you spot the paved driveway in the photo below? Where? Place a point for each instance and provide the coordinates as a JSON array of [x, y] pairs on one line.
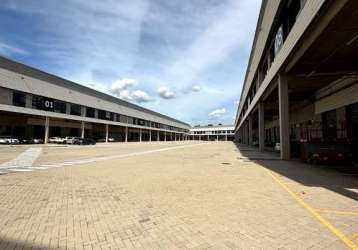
[[178, 195]]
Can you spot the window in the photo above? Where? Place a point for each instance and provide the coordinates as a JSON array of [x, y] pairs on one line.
[[59, 106], [123, 118], [90, 112], [130, 120], [104, 115], [75, 109], [19, 99]]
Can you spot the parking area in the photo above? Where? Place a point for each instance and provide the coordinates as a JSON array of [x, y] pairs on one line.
[[172, 195]]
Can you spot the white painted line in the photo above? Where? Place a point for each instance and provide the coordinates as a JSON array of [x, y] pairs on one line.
[[25, 159], [19, 169], [114, 157]]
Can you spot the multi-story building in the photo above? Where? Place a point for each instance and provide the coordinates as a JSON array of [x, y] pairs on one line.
[[302, 77], [212, 133], [40, 105]]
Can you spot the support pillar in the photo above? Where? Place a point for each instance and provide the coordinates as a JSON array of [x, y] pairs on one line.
[[165, 135], [261, 120], [82, 129], [107, 132], [250, 130], [158, 135], [126, 135], [225, 137], [217, 138], [140, 135], [47, 129], [150, 135], [175, 136], [284, 117]]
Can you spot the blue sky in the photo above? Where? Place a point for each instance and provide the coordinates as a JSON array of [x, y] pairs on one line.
[[185, 59]]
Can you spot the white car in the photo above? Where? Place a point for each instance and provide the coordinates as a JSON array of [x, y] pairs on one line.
[[8, 140], [71, 139], [277, 146], [56, 140]]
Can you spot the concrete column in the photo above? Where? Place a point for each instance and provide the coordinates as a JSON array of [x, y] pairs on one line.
[[140, 135], [83, 111], [68, 108], [158, 135], [261, 120], [284, 117], [107, 132], [217, 138], [243, 128], [175, 136], [225, 137], [150, 135], [244, 133], [250, 130], [28, 101], [126, 135], [47, 129], [165, 135], [82, 129]]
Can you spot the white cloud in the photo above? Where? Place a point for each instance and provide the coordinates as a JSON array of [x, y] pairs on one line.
[[122, 88], [8, 50], [217, 113], [123, 84], [196, 88], [140, 96], [165, 93]]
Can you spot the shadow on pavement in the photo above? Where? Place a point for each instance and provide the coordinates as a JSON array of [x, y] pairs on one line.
[[6, 243], [339, 179]]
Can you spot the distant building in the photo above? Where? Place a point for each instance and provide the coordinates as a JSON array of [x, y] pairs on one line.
[[212, 133]]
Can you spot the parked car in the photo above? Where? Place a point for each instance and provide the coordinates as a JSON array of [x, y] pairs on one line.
[[71, 139], [104, 140], [277, 146], [84, 141], [38, 141], [8, 140], [31, 141], [56, 140]]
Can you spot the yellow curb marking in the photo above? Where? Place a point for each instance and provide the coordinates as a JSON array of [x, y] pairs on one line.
[[315, 214], [329, 211]]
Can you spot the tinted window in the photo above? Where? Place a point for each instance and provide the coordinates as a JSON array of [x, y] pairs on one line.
[[19, 99], [59, 106], [75, 109], [104, 115], [37, 102], [90, 112]]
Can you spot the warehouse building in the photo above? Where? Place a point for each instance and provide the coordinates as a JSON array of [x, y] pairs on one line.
[[35, 104], [301, 84], [212, 133]]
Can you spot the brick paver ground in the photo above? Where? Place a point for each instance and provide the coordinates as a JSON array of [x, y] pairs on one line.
[[208, 196]]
